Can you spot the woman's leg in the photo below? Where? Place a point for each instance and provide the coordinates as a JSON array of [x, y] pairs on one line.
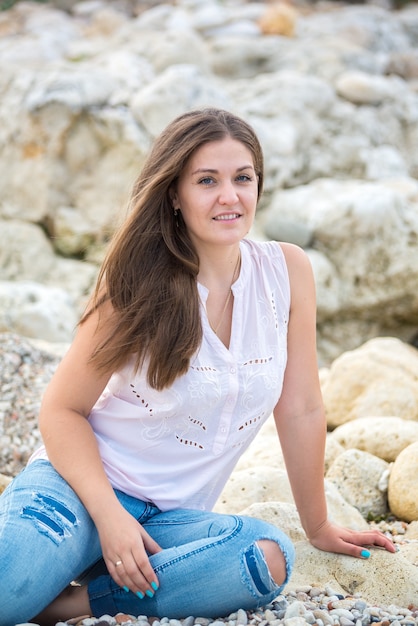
[[210, 566], [46, 539]]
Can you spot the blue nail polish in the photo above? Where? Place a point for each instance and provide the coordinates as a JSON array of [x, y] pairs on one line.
[[125, 588], [154, 586], [140, 595], [149, 593], [365, 554]]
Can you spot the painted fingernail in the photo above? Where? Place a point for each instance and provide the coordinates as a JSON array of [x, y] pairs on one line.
[[154, 586], [125, 588], [149, 593], [365, 554], [140, 595]]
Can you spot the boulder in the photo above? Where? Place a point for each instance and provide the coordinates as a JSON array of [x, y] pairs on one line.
[[264, 450], [266, 489], [284, 515], [384, 579], [366, 231], [403, 484], [254, 485], [361, 479], [22, 244], [377, 379], [176, 89], [34, 310], [384, 437]]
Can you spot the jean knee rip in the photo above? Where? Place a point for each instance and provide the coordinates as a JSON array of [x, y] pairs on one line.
[[51, 517], [256, 574]]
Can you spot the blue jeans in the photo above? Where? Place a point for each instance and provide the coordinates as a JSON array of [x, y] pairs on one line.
[[210, 564]]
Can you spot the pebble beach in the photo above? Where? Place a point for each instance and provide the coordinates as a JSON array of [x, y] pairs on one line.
[[306, 605]]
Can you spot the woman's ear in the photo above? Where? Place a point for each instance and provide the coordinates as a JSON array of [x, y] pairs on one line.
[[173, 197]]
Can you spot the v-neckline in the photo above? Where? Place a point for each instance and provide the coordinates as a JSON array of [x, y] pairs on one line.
[[235, 288]]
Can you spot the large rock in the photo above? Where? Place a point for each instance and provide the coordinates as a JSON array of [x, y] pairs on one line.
[[284, 515], [367, 233], [265, 489], [403, 484], [26, 254], [183, 87], [384, 437], [66, 139], [361, 478], [385, 578], [257, 484], [378, 379], [34, 310]]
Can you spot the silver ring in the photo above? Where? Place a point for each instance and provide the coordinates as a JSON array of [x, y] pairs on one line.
[[118, 563]]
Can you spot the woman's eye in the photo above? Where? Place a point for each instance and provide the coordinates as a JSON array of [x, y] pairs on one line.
[[206, 181], [244, 178]]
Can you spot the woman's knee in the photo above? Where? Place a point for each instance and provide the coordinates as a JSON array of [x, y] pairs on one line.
[[275, 546], [275, 560]]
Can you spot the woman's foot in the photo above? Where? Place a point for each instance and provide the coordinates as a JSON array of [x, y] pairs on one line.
[[74, 600]]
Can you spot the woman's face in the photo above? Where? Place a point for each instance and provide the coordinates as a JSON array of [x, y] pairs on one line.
[[217, 193]]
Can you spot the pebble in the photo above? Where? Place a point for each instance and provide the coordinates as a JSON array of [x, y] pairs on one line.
[[321, 607]]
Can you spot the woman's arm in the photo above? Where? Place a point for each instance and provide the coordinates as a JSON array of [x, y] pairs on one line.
[[72, 449], [301, 423]]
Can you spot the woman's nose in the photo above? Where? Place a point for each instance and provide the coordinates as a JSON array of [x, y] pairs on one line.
[[228, 194]]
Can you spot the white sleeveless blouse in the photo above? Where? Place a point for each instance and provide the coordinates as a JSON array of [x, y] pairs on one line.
[[177, 447]]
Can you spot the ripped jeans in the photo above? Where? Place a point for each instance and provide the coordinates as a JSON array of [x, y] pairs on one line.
[[210, 564]]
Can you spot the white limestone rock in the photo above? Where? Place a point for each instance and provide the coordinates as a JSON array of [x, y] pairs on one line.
[[383, 579], [384, 437], [264, 490], [359, 477], [33, 310], [403, 484], [256, 484], [361, 88], [177, 89], [367, 232], [284, 515], [25, 251], [379, 379]]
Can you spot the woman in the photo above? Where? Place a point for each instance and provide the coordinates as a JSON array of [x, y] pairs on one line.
[[194, 336]]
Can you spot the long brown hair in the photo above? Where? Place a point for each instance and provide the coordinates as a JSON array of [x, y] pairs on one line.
[[149, 273]]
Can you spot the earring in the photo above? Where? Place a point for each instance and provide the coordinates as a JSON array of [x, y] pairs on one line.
[[176, 213]]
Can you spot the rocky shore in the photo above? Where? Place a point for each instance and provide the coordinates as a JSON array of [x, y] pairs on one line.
[[362, 456], [332, 90]]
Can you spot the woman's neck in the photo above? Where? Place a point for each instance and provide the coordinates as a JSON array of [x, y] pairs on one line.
[[219, 270]]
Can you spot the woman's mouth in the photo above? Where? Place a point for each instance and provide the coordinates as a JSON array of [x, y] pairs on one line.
[[227, 217]]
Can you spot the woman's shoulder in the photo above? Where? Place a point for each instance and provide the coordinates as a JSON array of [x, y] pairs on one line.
[[287, 253], [262, 248]]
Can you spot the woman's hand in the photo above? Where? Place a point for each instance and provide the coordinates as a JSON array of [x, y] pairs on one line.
[[126, 545], [333, 538]]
